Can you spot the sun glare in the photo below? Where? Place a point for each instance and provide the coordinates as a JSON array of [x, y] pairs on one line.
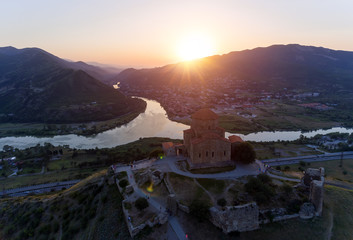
[[195, 46]]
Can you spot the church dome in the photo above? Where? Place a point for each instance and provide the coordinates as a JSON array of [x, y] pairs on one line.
[[205, 114]]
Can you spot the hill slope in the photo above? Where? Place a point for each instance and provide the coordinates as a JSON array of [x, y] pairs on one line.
[[278, 66], [38, 86]]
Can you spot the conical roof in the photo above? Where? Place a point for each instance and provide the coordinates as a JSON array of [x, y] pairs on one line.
[[205, 114]]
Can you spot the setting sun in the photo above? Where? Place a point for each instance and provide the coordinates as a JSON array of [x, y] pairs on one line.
[[195, 46]]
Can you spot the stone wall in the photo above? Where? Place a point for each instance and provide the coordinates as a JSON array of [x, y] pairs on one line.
[[317, 195], [315, 179], [161, 218], [236, 218], [212, 151]]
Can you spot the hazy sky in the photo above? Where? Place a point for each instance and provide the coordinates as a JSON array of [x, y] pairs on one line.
[[149, 32]]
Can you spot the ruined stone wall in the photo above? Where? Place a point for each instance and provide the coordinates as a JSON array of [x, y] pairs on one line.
[[317, 195], [236, 218], [315, 179]]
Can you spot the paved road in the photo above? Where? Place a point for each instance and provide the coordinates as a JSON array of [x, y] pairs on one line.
[[283, 178], [168, 164], [174, 223], [41, 188], [240, 171], [309, 158]]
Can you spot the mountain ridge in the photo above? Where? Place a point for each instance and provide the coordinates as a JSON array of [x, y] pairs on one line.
[[36, 86], [291, 65]]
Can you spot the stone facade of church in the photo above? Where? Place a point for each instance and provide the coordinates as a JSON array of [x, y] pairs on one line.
[[205, 144]]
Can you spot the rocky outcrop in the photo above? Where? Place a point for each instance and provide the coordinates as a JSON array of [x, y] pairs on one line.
[[236, 218]]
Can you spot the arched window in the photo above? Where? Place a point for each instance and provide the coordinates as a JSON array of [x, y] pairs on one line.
[[199, 155], [212, 154], [224, 153], [206, 153]]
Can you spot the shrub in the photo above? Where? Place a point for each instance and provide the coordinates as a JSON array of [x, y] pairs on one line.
[[260, 191], [199, 209], [157, 153], [104, 199], [221, 202], [127, 205], [243, 152], [45, 229], [301, 163], [56, 226], [286, 188], [121, 175], [141, 203], [264, 178], [278, 168], [101, 218], [294, 206], [123, 183]]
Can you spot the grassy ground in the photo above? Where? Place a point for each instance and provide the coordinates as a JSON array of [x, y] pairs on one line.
[[82, 165], [186, 189], [337, 213], [277, 150], [90, 211], [54, 176], [333, 170], [277, 116], [212, 185], [41, 129]]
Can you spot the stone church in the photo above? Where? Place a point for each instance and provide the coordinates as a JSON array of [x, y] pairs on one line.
[[205, 144]]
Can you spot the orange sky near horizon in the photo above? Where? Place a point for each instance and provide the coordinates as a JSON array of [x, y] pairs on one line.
[[145, 33]]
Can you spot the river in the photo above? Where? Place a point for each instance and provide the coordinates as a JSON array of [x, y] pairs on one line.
[[152, 123]]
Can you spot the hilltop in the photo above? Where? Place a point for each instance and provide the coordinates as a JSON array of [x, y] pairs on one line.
[[36, 86]]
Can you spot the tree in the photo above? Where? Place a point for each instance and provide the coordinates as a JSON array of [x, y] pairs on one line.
[[221, 202], [200, 210], [123, 183], [243, 152], [156, 153], [141, 203], [286, 188]]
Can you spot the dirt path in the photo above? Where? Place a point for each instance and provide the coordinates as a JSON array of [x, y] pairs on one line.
[[60, 231], [329, 229], [206, 191]]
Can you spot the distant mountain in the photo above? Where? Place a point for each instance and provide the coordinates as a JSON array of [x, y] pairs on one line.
[[38, 86], [103, 73], [278, 66]]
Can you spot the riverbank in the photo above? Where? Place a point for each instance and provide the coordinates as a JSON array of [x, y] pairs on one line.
[[233, 123], [80, 129]]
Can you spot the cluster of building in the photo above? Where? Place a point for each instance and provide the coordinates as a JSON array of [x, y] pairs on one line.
[[317, 106], [221, 94]]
